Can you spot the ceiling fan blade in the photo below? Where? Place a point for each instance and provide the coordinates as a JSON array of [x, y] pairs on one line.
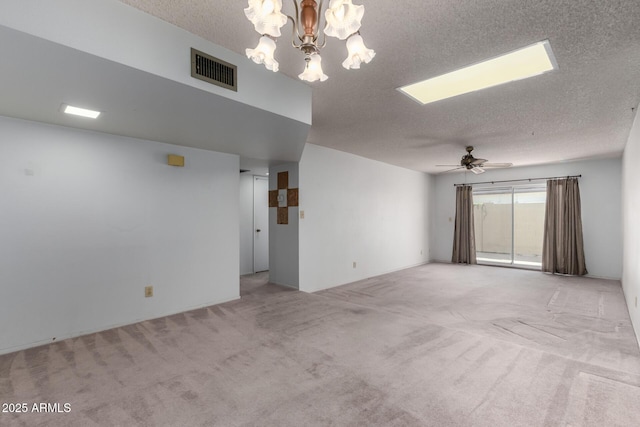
[[451, 170], [478, 161], [497, 165], [474, 165]]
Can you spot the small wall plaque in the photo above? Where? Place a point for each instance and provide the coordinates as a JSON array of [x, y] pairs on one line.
[[175, 160], [283, 198]]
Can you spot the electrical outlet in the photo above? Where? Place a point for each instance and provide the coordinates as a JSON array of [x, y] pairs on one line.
[[636, 302], [354, 264], [301, 214], [148, 291], [420, 251]]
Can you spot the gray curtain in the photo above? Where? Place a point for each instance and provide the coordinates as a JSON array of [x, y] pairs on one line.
[[563, 249], [464, 239]]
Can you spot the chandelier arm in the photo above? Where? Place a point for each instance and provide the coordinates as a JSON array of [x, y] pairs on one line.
[[324, 36], [324, 41], [294, 33], [296, 21]]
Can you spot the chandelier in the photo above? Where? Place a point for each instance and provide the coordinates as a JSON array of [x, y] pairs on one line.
[[342, 21]]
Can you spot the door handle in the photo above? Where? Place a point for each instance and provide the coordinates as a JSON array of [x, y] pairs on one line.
[[258, 230]]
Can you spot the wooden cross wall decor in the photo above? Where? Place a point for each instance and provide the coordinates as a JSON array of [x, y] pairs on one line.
[[283, 198]]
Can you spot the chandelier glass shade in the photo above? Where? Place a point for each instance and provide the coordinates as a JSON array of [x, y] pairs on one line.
[[358, 53], [263, 53], [313, 70], [342, 21]]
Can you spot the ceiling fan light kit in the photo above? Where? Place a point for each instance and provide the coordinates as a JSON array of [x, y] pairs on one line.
[[342, 21]]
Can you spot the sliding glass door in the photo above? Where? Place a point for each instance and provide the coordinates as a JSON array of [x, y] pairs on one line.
[[492, 214], [509, 222]]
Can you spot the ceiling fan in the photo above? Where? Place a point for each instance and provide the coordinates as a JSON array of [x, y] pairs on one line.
[[476, 166]]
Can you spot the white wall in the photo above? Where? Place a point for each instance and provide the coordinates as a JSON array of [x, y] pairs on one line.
[[246, 223], [283, 238], [631, 224], [103, 27], [359, 210], [600, 193], [89, 219]]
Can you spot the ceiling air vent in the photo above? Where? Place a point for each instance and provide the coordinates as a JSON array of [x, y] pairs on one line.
[[213, 70]]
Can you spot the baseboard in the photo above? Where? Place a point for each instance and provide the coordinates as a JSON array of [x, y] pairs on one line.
[[637, 334], [628, 302], [285, 285], [602, 277], [63, 337], [367, 277], [404, 268]]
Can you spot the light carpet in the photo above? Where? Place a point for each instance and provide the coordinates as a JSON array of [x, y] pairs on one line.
[[435, 345]]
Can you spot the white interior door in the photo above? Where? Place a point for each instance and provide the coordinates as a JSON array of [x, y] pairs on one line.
[[260, 224]]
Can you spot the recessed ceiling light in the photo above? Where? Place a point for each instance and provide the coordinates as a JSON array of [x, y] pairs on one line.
[[520, 64], [76, 111]]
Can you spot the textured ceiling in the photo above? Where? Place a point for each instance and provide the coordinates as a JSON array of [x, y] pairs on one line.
[[583, 110]]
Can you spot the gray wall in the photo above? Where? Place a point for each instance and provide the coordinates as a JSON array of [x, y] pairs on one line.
[[631, 224], [283, 238], [363, 211], [89, 219]]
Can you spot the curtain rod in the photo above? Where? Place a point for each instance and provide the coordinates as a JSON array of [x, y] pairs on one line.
[[518, 180]]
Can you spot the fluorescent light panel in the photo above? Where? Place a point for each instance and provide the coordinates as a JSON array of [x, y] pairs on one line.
[[76, 111], [520, 64]]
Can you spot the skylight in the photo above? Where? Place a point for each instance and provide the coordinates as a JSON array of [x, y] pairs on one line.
[[520, 64]]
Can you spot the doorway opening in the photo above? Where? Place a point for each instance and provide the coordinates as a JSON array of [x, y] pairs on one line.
[[509, 225]]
